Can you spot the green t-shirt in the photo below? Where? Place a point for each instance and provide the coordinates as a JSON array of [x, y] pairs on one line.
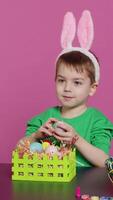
[[92, 125]]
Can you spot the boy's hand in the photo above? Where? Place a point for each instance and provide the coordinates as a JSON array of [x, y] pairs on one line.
[[65, 133], [48, 128], [25, 142]]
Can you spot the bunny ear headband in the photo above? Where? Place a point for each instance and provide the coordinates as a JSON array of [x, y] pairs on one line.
[[85, 33]]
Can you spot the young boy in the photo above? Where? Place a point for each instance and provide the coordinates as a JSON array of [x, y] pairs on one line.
[[84, 127], [77, 78]]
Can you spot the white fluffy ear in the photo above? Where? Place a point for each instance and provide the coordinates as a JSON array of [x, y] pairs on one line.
[[68, 31], [85, 30]]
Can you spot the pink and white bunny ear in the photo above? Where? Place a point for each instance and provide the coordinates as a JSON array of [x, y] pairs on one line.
[[68, 31], [85, 30]]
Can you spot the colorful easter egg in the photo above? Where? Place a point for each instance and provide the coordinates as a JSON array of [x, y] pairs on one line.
[[51, 150], [45, 145], [36, 147]]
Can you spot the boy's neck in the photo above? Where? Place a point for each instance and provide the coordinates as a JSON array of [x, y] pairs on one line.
[[73, 112]]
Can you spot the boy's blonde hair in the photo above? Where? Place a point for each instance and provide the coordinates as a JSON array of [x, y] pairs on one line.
[[79, 61]]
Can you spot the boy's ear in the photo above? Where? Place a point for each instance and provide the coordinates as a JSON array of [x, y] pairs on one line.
[[93, 89]]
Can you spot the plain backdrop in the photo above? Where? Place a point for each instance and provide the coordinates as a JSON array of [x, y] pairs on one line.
[[29, 44]]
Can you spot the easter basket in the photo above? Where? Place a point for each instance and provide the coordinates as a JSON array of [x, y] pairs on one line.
[[109, 167], [36, 168]]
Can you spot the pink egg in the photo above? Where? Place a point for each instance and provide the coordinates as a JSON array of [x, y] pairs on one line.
[[51, 150]]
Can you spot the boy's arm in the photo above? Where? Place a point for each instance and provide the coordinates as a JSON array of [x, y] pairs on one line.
[[93, 154], [97, 151], [35, 131]]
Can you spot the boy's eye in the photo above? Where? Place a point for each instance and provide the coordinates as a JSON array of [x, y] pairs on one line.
[[78, 83], [60, 80]]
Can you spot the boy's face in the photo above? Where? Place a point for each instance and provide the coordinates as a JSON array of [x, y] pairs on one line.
[[72, 87]]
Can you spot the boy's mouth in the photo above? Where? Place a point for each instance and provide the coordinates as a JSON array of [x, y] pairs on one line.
[[67, 97]]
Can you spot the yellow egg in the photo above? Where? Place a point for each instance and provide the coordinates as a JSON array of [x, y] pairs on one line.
[[45, 145]]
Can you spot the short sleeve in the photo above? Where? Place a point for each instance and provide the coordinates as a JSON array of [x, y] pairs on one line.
[[102, 134]]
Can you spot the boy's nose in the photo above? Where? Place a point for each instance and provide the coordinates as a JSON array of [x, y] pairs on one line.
[[67, 87]]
